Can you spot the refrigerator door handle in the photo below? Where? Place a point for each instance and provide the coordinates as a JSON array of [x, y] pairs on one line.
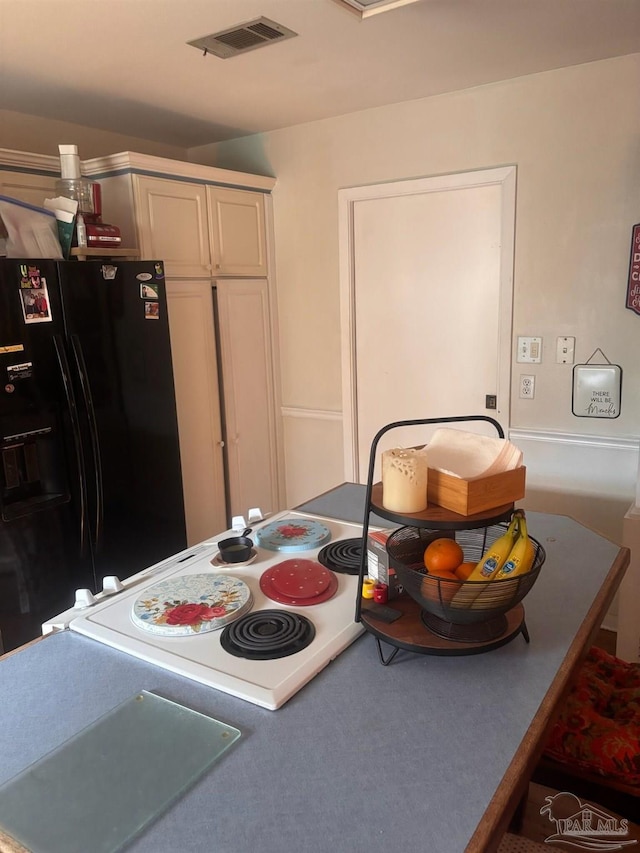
[[93, 431], [77, 441]]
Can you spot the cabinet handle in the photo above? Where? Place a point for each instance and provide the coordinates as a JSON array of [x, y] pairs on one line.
[[221, 444]]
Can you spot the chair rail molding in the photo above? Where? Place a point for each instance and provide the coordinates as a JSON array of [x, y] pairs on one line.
[[313, 414], [603, 441]]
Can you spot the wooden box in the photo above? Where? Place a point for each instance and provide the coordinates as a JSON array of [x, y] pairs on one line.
[[467, 497]]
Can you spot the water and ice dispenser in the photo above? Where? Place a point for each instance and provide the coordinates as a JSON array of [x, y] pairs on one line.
[[32, 475]]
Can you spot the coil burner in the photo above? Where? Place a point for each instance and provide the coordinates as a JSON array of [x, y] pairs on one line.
[[267, 635], [342, 556]]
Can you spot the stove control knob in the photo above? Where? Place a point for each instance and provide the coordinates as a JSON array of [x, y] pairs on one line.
[[84, 598], [111, 584]]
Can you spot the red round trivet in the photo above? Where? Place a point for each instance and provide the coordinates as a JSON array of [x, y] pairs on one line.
[[299, 582]]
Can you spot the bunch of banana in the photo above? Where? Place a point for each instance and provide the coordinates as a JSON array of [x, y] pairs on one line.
[[519, 561], [510, 555], [497, 553], [522, 555], [490, 564]]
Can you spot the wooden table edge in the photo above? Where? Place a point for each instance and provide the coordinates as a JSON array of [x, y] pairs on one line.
[[19, 649], [515, 782], [10, 845]]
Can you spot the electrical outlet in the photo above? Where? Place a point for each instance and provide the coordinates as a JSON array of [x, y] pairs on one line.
[[527, 387]]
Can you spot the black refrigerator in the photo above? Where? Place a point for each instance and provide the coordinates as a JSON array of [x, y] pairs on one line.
[[90, 478]]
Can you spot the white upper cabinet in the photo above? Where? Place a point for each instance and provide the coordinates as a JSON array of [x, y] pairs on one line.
[[173, 225], [202, 221], [201, 230], [30, 188], [238, 244]]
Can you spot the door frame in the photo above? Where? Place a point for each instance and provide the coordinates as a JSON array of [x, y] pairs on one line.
[[505, 178]]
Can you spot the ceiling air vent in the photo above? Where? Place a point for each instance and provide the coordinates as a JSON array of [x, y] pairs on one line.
[[242, 38]]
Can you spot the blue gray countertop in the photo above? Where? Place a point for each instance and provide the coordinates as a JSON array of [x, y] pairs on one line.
[[365, 757]]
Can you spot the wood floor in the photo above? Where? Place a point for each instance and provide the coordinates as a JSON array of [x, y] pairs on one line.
[[538, 827]]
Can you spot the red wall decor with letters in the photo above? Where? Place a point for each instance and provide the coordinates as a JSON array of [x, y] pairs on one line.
[[633, 285]]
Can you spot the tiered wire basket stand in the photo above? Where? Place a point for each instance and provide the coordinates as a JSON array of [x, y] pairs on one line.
[[434, 618]]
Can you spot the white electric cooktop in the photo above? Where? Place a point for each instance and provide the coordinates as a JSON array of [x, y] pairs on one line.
[[116, 620]]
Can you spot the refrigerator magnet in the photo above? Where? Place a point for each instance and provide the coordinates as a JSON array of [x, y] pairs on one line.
[[108, 271], [35, 302], [147, 291], [151, 310], [29, 276], [19, 371]]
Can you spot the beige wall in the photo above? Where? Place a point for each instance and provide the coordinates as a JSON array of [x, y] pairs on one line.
[[574, 135], [20, 132]]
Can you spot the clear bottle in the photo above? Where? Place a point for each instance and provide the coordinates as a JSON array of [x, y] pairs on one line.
[[71, 184], [81, 231]]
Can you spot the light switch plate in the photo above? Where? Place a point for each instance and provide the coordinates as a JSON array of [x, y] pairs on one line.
[[529, 350], [565, 348]]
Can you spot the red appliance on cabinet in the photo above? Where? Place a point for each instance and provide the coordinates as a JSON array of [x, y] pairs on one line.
[[100, 235]]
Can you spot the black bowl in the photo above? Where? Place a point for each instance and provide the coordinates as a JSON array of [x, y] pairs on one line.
[[458, 602], [236, 549]]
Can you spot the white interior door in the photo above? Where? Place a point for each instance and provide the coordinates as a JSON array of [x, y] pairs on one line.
[[427, 294]]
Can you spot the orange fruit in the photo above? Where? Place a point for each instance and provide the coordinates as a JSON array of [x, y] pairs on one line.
[[443, 554], [441, 592], [447, 574], [464, 570]]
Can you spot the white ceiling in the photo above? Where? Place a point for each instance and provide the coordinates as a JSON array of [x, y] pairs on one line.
[[124, 65]]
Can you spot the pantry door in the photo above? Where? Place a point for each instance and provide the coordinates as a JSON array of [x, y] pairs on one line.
[[247, 387], [426, 301]]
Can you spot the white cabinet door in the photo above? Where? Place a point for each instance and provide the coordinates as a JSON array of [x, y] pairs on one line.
[[195, 370], [30, 188], [237, 232], [248, 393], [173, 225]]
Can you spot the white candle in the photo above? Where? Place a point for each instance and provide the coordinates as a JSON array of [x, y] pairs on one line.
[[404, 480]]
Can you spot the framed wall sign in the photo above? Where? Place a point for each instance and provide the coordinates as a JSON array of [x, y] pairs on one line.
[[633, 283], [597, 389]]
